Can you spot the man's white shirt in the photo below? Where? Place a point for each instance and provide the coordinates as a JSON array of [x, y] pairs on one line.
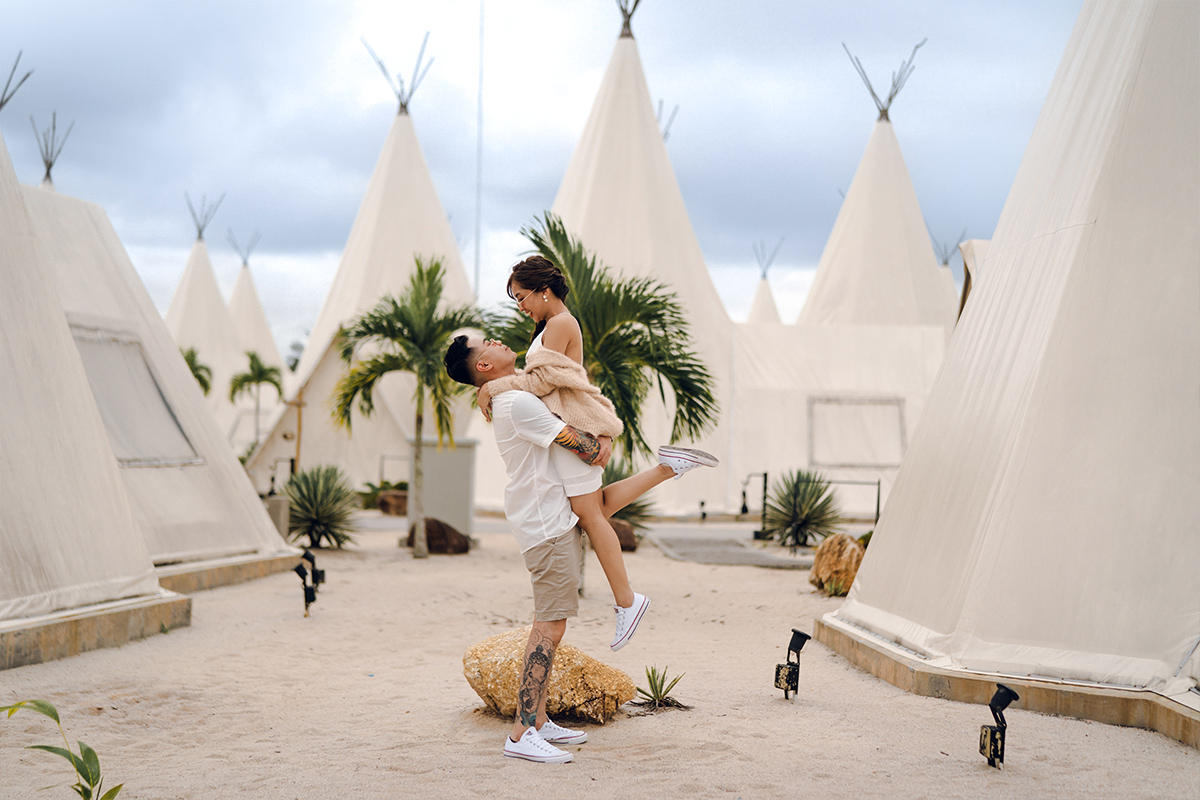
[[534, 502]]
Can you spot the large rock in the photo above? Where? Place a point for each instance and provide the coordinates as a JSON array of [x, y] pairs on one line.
[[836, 563], [580, 686], [626, 535], [442, 538]]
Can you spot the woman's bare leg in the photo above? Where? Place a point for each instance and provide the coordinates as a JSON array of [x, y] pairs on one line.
[[620, 494], [605, 543]]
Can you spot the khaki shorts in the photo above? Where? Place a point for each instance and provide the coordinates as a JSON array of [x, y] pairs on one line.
[[554, 572]]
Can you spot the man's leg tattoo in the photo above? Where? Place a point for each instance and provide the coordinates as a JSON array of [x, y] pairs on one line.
[[534, 677]]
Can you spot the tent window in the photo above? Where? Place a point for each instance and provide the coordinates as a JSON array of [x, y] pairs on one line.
[[855, 432], [141, 427]]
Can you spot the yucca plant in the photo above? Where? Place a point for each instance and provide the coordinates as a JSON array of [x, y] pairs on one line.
[[801, 509], [659, 694], [87, 764], [322, 506]]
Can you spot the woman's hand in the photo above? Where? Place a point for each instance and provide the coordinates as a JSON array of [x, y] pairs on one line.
[[483, 396], [605, 453]]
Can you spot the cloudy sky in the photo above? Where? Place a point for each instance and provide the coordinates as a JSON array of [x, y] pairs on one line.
[[277, 104]]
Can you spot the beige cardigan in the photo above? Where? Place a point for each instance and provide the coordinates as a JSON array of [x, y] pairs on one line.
[[563, 386]]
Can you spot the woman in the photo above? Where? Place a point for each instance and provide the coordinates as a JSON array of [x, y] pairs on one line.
[[554, 371]]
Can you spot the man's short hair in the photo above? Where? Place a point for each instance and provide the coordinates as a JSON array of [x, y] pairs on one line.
[[460, 361]]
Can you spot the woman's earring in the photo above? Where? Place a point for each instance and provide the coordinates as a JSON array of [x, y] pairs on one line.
[[545, 298]]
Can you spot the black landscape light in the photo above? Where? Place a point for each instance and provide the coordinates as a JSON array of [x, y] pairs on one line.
[[310, 591], [787, 674], [991, 737], [318, 575]]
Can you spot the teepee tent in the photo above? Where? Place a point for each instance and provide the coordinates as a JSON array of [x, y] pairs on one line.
[[400, 218], [254, 332], [198, 318], [973, 252], [619, 196], [189, 494], [763, 309], [68, 537], [878, 266], [1044, 523]]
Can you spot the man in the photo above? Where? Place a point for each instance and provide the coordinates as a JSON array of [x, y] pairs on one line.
[[547, 531]]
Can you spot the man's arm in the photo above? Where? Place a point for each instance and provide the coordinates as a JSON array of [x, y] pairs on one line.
[[589, 450]]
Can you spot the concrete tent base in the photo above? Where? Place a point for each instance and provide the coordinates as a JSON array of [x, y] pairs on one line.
[[68, 633], [1137, 709], [196, 576]]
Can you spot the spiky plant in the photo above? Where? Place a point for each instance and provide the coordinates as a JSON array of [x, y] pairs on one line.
[[201, 372], [636, 339], [321, 506], [659, 694], [801, 508]]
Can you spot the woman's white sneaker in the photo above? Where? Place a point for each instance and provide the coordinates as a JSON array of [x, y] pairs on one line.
[[628, 619], [557, 734], [682, 459], [533, 747]]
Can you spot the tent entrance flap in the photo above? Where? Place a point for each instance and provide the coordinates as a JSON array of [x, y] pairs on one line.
[[143, 430]]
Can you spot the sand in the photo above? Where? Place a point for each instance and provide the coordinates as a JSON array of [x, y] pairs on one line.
[[366, 698]]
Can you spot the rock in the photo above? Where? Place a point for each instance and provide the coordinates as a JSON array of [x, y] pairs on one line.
[[442, 538], [580, 686], [393, 502], [836, 563], [629, 540]]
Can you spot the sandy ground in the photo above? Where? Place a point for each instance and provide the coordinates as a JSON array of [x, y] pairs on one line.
[[366, 698]]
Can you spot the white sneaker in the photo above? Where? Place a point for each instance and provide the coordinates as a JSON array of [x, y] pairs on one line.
[[533, 747], [628, 619], [682, 459], [557, 734]]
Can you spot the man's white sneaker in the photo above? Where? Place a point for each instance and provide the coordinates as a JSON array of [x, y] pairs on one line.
[[557, 734], [533, 747], [682, 459], [628, 619]]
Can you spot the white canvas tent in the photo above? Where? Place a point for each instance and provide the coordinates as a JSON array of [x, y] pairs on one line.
[[763, 308], [400, 218], [254, 332], [878, 266], [619, 196], [1044, 522], [198, 318], [68, 538], [188, 492]]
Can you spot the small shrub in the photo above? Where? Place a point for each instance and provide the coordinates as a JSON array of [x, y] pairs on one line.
[[659, 694], [834, 588], [322, 506], [801, 509], [865, 539], [86, 764], [639, 511], [370, 498]]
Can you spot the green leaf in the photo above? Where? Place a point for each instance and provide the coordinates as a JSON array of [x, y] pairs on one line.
[[111, 793], [91, 762], [40, 706], [58, 751]]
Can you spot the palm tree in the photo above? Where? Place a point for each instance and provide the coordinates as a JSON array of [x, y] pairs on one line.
[[200, 372], [635, 336], [411, 334], [254, 378]]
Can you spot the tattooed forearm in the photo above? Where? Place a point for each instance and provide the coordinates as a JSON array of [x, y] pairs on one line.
[[579, 443], [539, 657]]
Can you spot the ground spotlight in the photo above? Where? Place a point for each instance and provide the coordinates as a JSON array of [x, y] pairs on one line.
[[787, 675], [310, 591], [318, 575], [991, 737]]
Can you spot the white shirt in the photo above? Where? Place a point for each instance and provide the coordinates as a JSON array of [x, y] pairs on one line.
[[534, 502]]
